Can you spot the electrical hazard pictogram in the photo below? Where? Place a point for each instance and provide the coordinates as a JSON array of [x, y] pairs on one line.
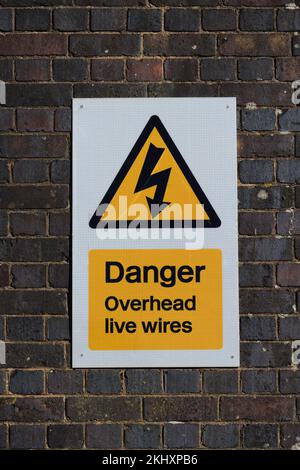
[[155, 187]]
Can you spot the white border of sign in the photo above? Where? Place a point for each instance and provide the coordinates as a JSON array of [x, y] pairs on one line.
[[104, 131]]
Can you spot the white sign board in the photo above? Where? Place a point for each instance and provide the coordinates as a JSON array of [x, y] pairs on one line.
[[155, 261]]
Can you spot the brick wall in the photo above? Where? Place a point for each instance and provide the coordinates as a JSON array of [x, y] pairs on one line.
[[104, 48]]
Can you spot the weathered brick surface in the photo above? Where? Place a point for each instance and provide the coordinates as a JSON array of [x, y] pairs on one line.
[[104, 436], [51, 51], [260, 436], [141, 436], [217, 436], [25, 436], [61, 436], [181, 436], [103, 381]]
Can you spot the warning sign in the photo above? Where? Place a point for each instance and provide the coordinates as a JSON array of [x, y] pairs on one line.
[[175, 303], [155, 263], [155, 184]]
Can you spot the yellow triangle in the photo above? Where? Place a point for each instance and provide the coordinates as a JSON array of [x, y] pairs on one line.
[[142, 183]]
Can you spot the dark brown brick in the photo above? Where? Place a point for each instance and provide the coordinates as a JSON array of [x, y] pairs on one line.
[[62, 120], [35, 355], [59, 223], [142, 436], [36, 94], [60, 171], [180, 408], [65, 382], [6, 69], [35, 120], [70, 19], [288, 274], [266, 301], [256, 223], [257, 408], [182, 89], [33, 19], [65, 436], [258, 381], [104, 44], [4, 172], [289, 327], [289, 381], [256, 19], [219, 20], [182, 381], [59, 275], [257, 328], [24, 146], [288, 20], [25, 328], [7, 120], [58, 328], [144, 20], [104, 436], [6, 20], [179, 45], [255, 69], [70, 70], [260, 436], [181, 435], [3, 223], [265, 145], [109, 90], [271, 354], [184, 3], [144, 70], [260, 197], [217, 436], [290, 435], [252, 44], [103, 408], [32, 70], [263, 94], [32, 409], [28, 275], [143, 381], [23, 223], [181, 70], [4, 275], [24, 436], [217, 69], [108, 19], [104, 381], [112, 3], [256, 275], [107, 69], [30, 171], [288, 69], [33, 44], [27, 382], [223, 381], [258, 120], [34, 197], [34, 249], [182, 20], [32, 302]]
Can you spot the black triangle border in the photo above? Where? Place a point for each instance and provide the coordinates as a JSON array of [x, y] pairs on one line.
[[154, 121]]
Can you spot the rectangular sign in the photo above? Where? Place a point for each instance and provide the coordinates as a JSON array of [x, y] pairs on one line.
[[175, 303], [155, 233]]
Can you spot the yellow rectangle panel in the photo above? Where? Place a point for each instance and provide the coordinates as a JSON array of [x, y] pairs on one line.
[[155, 299]]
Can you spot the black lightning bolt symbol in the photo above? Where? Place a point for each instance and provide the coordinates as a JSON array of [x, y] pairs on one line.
[[160, 180]]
